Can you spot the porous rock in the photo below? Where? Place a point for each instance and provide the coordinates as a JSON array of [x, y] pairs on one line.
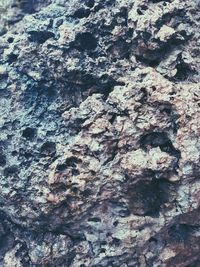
[[99, 133]]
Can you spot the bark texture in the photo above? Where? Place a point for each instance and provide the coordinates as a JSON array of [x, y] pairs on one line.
[[99, 133]]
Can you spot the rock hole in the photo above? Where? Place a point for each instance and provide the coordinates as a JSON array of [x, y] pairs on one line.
[[35, 208], [119, 49], [48, 149], [14, 153], [124, 213], [115, 223], [139, 12], [72, 161], [183, 71], [61, 167], [69, 163], [28, 155], [85, 41], [29, 133], [87, 192], [166, 109], [116, 242], [74, 190], [82, 13], [2, 160], [143, 7], [144, 198], [147, 197], [40, 37], [113, 118], [144, 96], [154, 63], [12, 58], [10, 40], [153, 239], [75, 172], [161, 140], [11, 171]]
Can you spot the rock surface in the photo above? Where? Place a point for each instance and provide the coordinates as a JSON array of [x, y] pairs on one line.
[[99, 133]]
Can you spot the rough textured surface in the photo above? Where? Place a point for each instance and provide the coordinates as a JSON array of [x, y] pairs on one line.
[[100, 133]]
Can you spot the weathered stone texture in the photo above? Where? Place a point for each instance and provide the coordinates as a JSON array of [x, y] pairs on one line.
[[99, 133]]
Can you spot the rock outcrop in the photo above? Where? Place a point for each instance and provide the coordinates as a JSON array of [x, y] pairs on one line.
[[99, 133]]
